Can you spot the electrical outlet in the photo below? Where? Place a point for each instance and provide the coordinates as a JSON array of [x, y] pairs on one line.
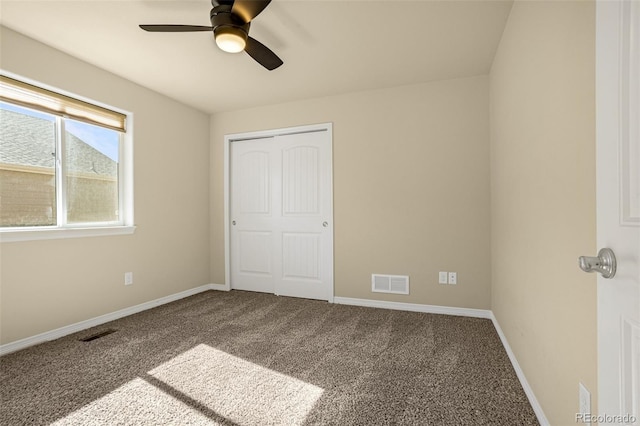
[[585, 402], [442, 277], [128, 278], [453, 278]]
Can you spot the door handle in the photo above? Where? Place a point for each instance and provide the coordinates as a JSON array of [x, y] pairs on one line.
[[605, 263], [325, 224]]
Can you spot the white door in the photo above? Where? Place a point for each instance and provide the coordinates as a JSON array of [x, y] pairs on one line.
[[252, 205], [618, 207], [281, 214]]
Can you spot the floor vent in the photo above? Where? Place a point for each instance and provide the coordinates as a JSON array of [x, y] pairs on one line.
[[398, 284], [98, 335]]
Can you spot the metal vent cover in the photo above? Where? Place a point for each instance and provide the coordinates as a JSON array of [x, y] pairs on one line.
[[398, 284]]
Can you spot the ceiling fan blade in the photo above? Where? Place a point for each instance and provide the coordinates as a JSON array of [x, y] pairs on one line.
[[174, 28], [249, 9], [262, 54]]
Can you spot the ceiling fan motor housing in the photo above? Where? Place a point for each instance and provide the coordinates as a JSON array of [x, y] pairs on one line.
[[223, 20]]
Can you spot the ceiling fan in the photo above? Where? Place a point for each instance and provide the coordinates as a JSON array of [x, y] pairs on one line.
[[230, 22]]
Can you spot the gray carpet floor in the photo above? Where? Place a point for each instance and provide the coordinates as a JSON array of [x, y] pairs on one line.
[[241, 358]]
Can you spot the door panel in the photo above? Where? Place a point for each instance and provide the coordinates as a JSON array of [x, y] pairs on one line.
[[301, 256], [255, 252], [281, 215], [300, 180], [254, 181]]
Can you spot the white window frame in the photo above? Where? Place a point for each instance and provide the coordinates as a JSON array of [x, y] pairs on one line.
[[124, 226]]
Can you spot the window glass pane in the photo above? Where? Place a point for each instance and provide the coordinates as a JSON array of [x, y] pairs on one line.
[[27, 167], [91, 169]]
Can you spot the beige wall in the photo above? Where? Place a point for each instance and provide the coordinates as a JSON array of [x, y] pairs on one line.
[[411, 186], [543, 198], [49, 284]]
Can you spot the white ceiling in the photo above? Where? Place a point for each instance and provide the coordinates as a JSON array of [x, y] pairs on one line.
[[328, 47]]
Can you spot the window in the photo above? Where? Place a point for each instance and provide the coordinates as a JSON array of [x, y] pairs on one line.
[[64, 165]]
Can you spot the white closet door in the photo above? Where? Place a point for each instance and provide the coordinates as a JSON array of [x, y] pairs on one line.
[[281, 215], [252, 233], [305, 266]]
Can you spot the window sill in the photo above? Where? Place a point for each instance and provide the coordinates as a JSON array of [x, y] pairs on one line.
[[33, 234]]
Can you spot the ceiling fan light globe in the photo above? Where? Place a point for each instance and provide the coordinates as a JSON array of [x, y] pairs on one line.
[[232, 40]]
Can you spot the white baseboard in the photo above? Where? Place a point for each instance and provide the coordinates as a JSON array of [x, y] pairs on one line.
[[415, 307], [83, 325], [219, 287], [537, 408]]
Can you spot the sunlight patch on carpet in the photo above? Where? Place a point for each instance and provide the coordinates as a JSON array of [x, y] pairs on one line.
[[136, 402], [236, 389]]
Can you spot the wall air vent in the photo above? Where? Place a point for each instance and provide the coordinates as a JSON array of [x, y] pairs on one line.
[[398, 284]]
